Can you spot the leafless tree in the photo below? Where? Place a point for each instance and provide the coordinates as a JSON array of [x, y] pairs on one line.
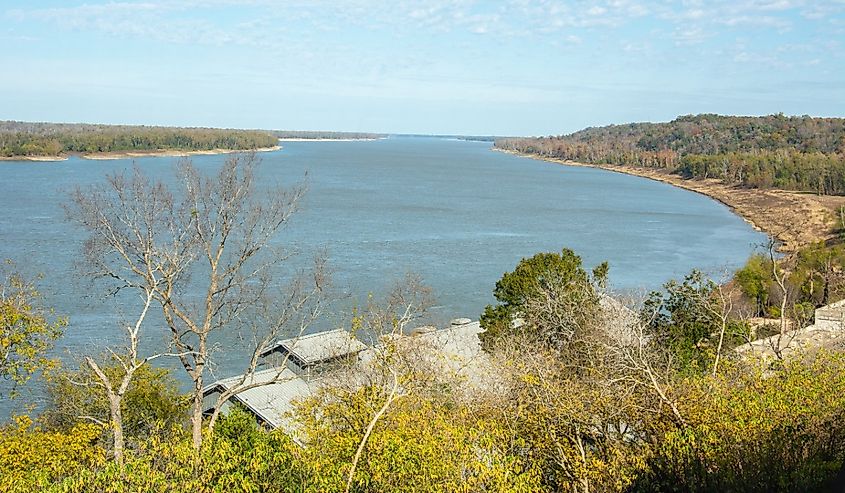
[[297, 307], [644, 364], [203, 248], [786, 335], [116, 386], [780, 281]]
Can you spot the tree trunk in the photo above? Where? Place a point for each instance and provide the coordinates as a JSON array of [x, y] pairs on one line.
[[196, 414], [117, 427], [826, 291]]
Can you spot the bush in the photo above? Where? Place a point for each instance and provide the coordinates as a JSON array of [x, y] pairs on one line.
[[755, 431], [240, 457], [32, 459]]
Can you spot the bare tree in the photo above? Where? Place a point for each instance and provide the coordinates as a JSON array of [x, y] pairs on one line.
[[116, 386], [203, 248], [780, 280], [785, 336], [642, 363], [722, 307], [298, 306]]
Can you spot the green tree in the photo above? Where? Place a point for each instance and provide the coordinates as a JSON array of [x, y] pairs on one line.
[[689, 319], [553, 277], [755, 281], [26, 333], [819, 272]]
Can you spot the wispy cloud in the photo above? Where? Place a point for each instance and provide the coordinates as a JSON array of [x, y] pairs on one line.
[[467, 50]]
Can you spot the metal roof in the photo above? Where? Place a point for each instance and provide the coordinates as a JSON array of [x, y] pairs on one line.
[[273, 401], [319, 347], [454, 354]]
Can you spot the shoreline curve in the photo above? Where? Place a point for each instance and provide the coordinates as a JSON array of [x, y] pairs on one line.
[[794, 219]]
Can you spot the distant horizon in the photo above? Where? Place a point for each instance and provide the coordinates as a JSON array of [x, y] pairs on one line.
[[411, 134]]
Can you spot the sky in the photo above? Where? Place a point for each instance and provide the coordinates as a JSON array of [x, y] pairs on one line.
[[512, 67]]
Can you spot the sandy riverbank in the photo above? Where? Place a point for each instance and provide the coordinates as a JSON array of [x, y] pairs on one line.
[[40, 159], [796, 219], [103, 156], [100, 156]]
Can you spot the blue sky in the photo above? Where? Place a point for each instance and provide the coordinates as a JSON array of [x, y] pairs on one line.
[[514, 67]]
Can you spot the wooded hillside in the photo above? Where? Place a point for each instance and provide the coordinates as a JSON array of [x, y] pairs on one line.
[[776, 151], [54, 139]]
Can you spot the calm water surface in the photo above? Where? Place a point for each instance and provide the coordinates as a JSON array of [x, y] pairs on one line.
[[453, 211]]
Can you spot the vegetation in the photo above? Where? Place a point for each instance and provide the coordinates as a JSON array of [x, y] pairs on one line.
[[578, 394], [639, 407], [55, 139], [794, 153], [319, 134], [813, 277], [691, 320], [33, 459], [535, 282], [152, 404], [26, 333], [750, 431]]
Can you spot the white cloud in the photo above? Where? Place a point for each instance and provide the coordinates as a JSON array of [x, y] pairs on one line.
[[298, 25]]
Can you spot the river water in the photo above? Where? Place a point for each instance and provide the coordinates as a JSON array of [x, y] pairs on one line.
[[453, 211]]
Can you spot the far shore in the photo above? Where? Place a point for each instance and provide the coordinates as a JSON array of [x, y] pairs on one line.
[[321, 139], [795, 219]]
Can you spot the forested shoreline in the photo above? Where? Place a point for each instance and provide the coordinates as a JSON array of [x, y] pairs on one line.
[[791, 153], [24, 139]]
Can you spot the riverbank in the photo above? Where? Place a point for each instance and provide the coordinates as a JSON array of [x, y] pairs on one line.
[[39, 159], [102, 156], [795, 219], [105, 156]]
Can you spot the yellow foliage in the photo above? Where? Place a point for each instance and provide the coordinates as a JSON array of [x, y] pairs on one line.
[[31, 458], [418, 446], [750, 430]]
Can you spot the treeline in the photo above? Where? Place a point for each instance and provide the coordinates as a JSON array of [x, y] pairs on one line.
[[321, 134], [471, 138], [797, 153], [54, 139]]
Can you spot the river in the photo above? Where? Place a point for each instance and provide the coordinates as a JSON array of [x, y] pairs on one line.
[[453, 211]]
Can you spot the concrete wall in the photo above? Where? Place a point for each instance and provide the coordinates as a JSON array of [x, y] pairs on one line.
[[831, 316]]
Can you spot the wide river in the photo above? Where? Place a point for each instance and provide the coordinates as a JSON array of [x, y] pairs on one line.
[[453, 211]]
